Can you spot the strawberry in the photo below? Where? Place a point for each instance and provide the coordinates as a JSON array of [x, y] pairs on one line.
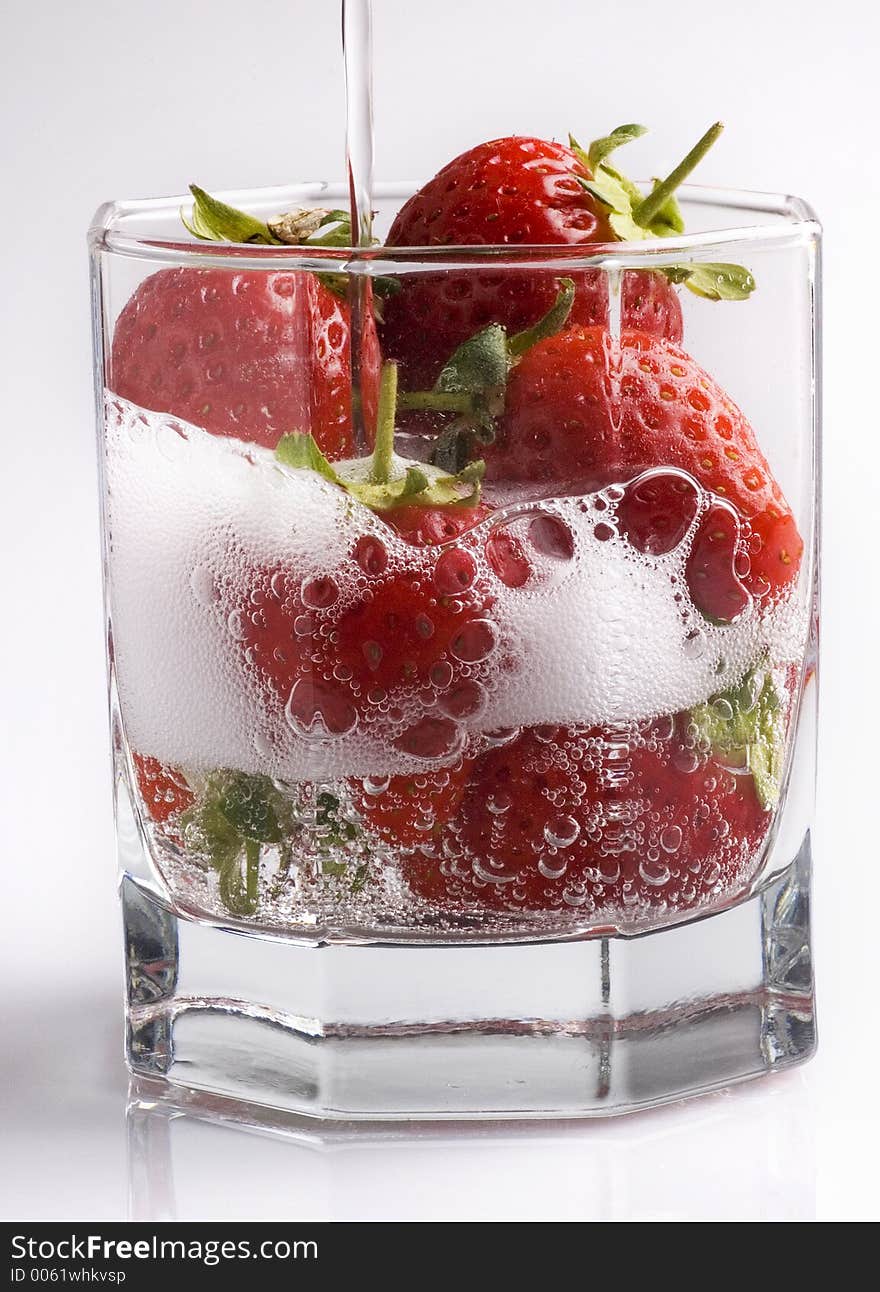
[[253, 355], [609, 825], [523, 191], [578, 417], [396, 639], [164, 792]]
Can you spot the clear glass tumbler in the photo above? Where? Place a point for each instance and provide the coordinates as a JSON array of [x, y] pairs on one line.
[[462, 611]]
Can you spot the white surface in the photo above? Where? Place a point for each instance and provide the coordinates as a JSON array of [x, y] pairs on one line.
[[105, 100]]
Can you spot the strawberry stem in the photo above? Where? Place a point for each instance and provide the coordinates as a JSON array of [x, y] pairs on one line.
[[650, 206], [252, 873], [383, 453], [436, 400]]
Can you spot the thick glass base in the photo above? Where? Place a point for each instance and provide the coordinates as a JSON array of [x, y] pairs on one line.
[[552, 1029]]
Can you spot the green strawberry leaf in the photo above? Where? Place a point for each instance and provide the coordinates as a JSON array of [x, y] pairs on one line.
[[336, 832], [634, 217], [412, 483], [234, 815], [601, 148], [214, 221], [745, 725], [479, 365], [418, 488], [208, 831], [300, 450], [553, 321], [608, 189], [454, 447], [237, 893], [720, 282], [250, 805]]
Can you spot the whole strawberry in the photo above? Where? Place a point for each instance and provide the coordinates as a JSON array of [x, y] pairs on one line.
[[598, 824], [578, 418], [522, 191], [393, 639], [251, 354]]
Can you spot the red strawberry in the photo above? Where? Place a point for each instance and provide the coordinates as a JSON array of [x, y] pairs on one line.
[[164, 792], [579, 417], [588, 822], [253, 355], [515, 191], [414, 632]]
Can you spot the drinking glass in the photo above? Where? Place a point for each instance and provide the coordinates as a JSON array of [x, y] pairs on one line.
[[464, 797]]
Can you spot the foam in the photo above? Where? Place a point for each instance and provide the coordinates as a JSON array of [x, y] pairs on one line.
[[184, 506], [604, 636]]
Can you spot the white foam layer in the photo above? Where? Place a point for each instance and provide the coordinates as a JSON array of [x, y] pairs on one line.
[[612, 634], [185, 508], [604, 636]]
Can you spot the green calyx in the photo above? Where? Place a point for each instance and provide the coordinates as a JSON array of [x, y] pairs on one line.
[[214, 221], [633, 216], [473, 382], [384, 480], [233, 818], [338, 834], [236, 816], [744, 728]]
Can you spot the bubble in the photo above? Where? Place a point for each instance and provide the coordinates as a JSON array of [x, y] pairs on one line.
[[431, 739], [455, 571], [465, 700], [371, 555], [502, 736], [654, 873], [552, 537], [551, 871], [318, 594], [202, 583], [475, 642], [562, 831], [686, 760], [317, 710], [609, 870], [237, 625], [670, 839], [572, 897], [376, 785], [506, 557], [440, 674], [499, 803], [657, 510], [695, 644]]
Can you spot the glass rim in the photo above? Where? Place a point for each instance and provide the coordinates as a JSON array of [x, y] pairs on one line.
[[795, 224]]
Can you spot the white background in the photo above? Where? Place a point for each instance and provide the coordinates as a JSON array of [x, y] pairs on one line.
[[102, 99]]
